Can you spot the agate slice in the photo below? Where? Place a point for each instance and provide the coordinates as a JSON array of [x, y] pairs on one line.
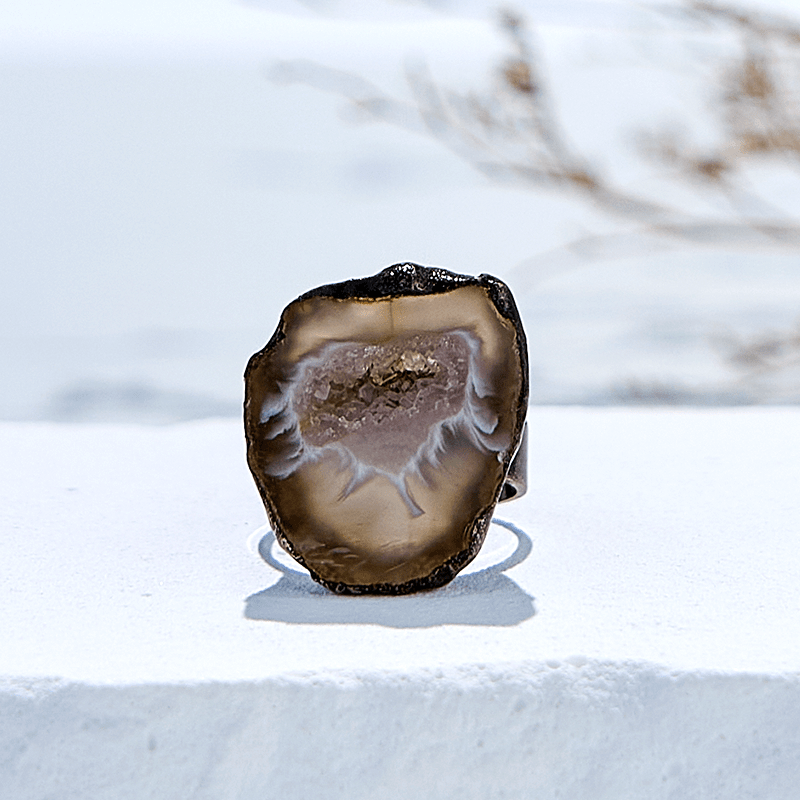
[[382, 419]]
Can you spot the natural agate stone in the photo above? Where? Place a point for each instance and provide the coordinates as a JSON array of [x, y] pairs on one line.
[[381, 421]]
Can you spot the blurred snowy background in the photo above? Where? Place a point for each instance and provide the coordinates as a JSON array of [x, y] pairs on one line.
[[163, 197]]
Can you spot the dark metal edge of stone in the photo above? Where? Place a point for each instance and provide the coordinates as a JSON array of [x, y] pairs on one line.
[[399, 280], [402, 280]]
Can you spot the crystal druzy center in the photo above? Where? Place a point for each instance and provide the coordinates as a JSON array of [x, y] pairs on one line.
[[381, 401]]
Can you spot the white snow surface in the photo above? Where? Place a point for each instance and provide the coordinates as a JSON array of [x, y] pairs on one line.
[[646, 644]]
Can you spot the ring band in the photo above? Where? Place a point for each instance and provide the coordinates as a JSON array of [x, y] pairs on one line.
[[516, 483]]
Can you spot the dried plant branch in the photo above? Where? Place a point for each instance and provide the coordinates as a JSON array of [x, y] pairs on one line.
[[512, 132], [763, 353], [756, 102]]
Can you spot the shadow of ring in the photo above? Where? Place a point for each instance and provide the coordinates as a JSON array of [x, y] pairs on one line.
[[521, 552]]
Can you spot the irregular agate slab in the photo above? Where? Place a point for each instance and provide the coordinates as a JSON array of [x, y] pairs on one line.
[[381, 422]]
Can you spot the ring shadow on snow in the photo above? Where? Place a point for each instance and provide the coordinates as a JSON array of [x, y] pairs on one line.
[[486, 597]]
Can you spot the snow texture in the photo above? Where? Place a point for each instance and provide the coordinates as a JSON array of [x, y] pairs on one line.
[[631, 629]]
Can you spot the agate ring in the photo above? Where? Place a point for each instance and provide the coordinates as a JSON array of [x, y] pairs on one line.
[[384, 420]]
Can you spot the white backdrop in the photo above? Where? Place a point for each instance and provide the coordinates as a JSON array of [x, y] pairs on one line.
[[162, 199]]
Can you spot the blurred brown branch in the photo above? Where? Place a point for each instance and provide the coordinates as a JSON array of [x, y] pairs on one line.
[[512, 132], [761, 355]]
